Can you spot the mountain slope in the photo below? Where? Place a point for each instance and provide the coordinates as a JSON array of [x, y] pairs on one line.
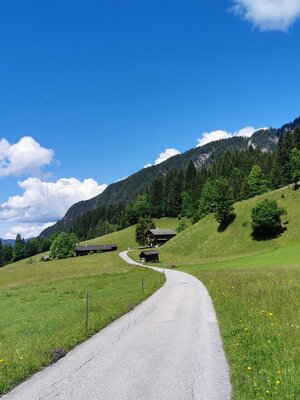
[[125, 190], [203, 243]]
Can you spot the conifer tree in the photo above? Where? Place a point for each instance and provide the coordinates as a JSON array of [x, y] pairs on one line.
[[257, 182], [156, 198], [295, 160], [281, 172]]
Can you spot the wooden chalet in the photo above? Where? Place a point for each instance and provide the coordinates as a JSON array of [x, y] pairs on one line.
[[159, 236], [97, 248], [149, 256]]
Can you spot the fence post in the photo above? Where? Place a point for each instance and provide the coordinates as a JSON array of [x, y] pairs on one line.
[[86, 311], [142, 285]]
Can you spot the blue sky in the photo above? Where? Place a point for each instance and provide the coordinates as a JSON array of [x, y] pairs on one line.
[[103, 87]]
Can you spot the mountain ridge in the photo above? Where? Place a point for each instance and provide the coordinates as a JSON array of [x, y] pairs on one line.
[[125, 191]]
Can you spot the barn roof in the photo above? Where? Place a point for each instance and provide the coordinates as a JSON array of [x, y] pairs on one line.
[[162, 232], [150, 252], [96, 247]]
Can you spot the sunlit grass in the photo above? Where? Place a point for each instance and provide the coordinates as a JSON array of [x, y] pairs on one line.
[[259, 315], [42, 305]]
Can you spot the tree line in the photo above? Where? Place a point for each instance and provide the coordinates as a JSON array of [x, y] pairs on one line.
[[191, 192], [23, 249], [188, 193]]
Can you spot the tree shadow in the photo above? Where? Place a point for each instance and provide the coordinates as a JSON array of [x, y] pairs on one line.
[[268, 235], [224, 225]]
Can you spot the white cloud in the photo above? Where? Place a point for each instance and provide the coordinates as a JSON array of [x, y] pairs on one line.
[[208, 137], [168, 153], [269, 15], [26, 230], [24, 157], [45, 202]]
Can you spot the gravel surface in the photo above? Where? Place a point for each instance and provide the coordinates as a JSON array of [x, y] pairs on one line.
[[167, 348]]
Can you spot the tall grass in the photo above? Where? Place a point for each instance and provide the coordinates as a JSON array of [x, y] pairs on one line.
[[40, 321], [259, 315]]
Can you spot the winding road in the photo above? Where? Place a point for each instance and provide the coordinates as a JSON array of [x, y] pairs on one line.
[[167, 348]]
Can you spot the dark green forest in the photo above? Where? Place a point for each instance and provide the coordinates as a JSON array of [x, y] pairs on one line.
[[186, 192]]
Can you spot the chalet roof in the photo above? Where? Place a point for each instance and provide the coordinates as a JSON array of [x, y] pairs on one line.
[[162, 232], [149, 252], [96, 247]]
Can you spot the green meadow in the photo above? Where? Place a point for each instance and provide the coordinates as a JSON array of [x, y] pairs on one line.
[[42, 304], [254, 285], [255, 288], [42, 307]]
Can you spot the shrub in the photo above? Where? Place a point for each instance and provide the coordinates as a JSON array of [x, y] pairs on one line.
[[266, 219]]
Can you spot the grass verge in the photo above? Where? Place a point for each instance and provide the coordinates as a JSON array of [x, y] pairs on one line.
[[259, 315], [40, 319]]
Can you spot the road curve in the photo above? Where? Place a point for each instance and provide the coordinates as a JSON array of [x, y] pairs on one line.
[[167, 348]]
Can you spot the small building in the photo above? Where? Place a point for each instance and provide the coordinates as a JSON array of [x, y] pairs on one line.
[[151, 256], [97, 248], [159, 236]]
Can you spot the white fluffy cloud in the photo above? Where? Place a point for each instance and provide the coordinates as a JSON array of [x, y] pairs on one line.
[[26, 230], [45, 202], [168, 153], [269, 14], [24, 157], [208, 137]]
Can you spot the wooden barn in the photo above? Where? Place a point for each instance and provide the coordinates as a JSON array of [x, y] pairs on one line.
[[151, 256], [97, 248], [159, 236]]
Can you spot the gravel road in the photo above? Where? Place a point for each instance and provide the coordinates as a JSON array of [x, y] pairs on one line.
[[167, 348]]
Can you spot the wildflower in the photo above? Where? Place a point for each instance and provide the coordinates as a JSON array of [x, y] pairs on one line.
[[249, 368], [278, 382], [1, 360]]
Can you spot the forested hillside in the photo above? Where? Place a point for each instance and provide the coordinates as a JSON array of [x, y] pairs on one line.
[[124, 192]]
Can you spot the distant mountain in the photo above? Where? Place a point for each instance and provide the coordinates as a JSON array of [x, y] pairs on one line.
[[8, 241], [126, 190]]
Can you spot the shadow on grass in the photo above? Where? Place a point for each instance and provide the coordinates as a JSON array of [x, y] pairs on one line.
[[224, 225], [268, 235]]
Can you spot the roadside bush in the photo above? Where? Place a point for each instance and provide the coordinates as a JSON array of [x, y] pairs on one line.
[[266, 219]]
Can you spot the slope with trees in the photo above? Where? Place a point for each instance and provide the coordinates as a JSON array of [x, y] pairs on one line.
[[126, 190]]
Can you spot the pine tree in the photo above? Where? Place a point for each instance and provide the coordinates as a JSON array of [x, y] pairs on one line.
[[156, 198], [295, 160], [297, 138], [281, 172], [19, 249], [257, 182]]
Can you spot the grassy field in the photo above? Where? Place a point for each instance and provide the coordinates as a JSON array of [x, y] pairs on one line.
[[255, 287], [42, 305], [258, 310], [203, 243]]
